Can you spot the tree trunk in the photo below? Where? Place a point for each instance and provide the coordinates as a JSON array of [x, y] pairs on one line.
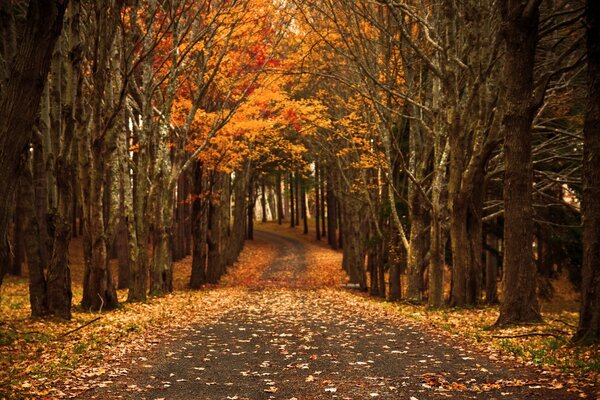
[[263, 201], [418, 241], [331, 217], [36, 264], [24, 75], [303, 208], [251, 204], [121, 245], [491, 270], [436, 265], [18, 240], [292, 201], [323, 219], [199, 229], [279, 199], [373, 270], [519, 302], [298, 197], [217, 231], [588, 330], [99, 290], [161, 276], [354, 241], [317, 204]]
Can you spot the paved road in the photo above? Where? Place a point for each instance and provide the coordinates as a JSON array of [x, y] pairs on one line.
[[287, 343]]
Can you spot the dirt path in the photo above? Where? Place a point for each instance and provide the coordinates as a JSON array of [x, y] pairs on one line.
[[286, 343]]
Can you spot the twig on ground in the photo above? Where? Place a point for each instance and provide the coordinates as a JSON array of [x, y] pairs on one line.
[[526, 335], [81, 327]]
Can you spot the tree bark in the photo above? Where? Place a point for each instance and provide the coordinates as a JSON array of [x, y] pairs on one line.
[[491, 270], [199, 229], [121, 244], [303, 208], [293, 211], [279, 199], [24, 75], [18, 240], [322, 190], [519, 302], [354, 251], [588, 330], [38, 296], [263, 201], [331, 217], [418, 242], [317, 204]]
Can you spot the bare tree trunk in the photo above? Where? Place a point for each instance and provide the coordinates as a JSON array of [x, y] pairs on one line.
[[279, 199], [298, 197], [303, 207], [122, 243], [353, 218], [519, 302], [199, 229], [588, 330], [24, 70], [217, 235], [417, 250], [18, 240], [250, 210], [317, 203], [38, 296], [491, 270], [263, 201], [323, 219], [331, 217], [293, 210]]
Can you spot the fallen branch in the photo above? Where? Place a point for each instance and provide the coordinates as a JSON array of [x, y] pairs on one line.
[[565, 322], [81, 327], [526, 335]]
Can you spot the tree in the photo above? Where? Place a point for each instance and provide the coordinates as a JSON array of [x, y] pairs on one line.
[[588, 330], [520, 30], [27, 45]]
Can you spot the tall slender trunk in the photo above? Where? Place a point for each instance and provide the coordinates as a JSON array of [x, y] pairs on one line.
[[292, 201], [251, 204], [331, 217], [263, 200], [519, 302], [323, 205], [588, 330], [354, 251], [38, 296], [304, 207], [161, 276], [199, 229], [217, 231], [122, 243], [298, 197], [279, 199], [397, 261], [18, 240], [418, 242], [317, 204], [491, 270]]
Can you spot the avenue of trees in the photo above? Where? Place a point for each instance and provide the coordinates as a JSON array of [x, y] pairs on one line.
[[455, 144]]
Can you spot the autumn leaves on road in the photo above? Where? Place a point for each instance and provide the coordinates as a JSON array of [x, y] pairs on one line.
[[293, 332]]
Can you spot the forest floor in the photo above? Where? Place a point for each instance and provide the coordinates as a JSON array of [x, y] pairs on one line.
[[281, 326]]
